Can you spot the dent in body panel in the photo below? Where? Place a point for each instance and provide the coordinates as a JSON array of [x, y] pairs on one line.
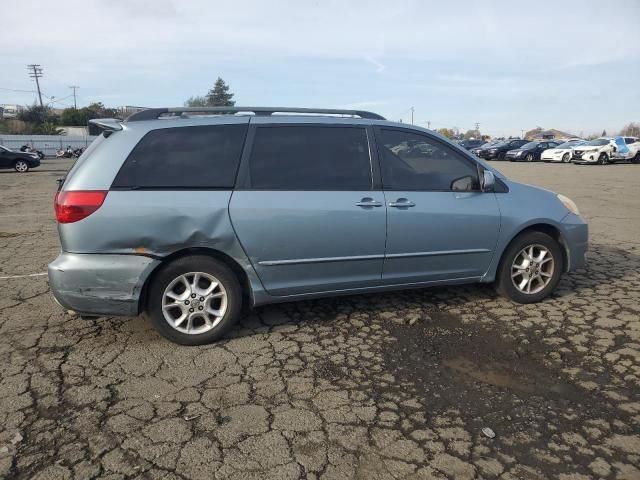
[[99, 284], [160, 222]]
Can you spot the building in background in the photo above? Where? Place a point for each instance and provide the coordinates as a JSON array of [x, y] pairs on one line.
[[10, 110]]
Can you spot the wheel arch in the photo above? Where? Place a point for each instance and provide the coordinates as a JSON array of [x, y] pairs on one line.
[[548, 228], [222, 257]]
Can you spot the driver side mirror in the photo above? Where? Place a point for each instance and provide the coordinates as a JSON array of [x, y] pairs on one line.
[[488, 181]]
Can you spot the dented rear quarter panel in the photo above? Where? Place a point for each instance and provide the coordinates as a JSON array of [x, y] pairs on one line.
[[187, 219]]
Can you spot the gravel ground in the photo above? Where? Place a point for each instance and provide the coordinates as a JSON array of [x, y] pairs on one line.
[[396, 385]]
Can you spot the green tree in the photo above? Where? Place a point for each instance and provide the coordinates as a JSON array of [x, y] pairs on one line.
[[196, 101], [219, 96], [446, 132], [47, 128], [472, 134], [80, 117], [37, 114]]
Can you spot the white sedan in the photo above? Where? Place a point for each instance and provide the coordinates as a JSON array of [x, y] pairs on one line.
[[561, 153]]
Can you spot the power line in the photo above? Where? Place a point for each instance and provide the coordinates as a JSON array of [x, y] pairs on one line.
[[35, 71], [74, 87]]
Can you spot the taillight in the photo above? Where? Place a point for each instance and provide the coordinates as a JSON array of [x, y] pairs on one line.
[[73, 206]]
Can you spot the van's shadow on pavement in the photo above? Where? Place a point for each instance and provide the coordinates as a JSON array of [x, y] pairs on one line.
[[605, 264]]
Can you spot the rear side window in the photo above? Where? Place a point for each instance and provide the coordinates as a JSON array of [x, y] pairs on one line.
[[310, 158], [184, 157]]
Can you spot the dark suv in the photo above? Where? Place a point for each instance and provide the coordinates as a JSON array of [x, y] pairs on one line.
[[499, 150]]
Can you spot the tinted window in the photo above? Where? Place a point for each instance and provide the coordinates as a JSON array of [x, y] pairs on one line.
[[416, 162], [310, 158], [185, 157]]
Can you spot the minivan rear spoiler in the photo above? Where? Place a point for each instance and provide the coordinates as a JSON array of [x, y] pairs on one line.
[[107, 124]]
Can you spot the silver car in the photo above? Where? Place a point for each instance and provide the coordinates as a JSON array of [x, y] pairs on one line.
[[189, 214]]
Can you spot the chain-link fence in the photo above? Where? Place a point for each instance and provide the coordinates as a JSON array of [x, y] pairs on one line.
[[48, 144]]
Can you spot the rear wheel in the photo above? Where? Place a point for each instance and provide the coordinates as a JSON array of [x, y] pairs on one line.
[[194, 300], [530, 268], [566, 158], [502, 156], [603, 159], [636, 159], [21, 166]]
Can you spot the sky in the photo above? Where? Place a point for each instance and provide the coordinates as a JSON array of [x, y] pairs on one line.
[[508, 65]]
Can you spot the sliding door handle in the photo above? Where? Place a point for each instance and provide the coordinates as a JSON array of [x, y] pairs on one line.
[[368, 202]]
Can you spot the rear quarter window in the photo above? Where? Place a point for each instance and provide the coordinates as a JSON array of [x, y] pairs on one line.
[[184, 157]]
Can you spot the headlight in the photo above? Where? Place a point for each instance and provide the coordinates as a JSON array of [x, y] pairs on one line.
[[519, 153], [570, 204]]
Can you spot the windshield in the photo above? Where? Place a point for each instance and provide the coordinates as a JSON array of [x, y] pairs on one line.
[[526, 146], [4, 148], [598, 142]]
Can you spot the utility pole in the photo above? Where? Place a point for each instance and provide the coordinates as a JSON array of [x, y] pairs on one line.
[[522, 130], [412, 110], [74, 87], [477, 126], [35, 71], [428, 124]]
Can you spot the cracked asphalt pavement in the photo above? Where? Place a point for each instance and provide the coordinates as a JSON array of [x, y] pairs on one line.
[[397, 385]]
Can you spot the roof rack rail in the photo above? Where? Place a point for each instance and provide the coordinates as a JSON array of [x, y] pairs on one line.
[[154, 113]]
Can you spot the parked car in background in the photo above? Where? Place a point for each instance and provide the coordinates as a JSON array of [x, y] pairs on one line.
[[486, 145], [499, 150], [190, 218], [471, 144], [562, 152], [598, 151], [21, 162], [530, 152], [632, 153]]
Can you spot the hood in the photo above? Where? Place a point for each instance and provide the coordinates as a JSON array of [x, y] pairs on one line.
[[586, 148]]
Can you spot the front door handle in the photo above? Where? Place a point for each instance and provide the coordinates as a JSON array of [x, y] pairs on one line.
[[402, 203], [368, 202]]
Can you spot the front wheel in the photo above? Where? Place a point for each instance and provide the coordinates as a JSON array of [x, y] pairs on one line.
[[21, 166], [636, 159], [566, 158], [502, 156], [530, 268], [529, 157], [603, 159], [194, 300]]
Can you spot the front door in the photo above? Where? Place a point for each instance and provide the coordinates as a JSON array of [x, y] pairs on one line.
[[440, 225], [306, 214]]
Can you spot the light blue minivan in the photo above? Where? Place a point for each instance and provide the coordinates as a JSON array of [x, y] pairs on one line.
[[188, 214]]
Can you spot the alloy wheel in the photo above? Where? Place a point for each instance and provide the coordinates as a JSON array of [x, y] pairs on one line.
[[21, 166], [194, 303], [566, 158], [532, 269]]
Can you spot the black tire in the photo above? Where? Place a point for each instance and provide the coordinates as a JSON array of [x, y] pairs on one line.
[[21, 166], [502, 156], [636, 159], [197, 263], [566, 158], [529, 157], [603, 159], [504, 282]]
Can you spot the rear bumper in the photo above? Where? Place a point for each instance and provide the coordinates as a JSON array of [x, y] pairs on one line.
[[95, 284]]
